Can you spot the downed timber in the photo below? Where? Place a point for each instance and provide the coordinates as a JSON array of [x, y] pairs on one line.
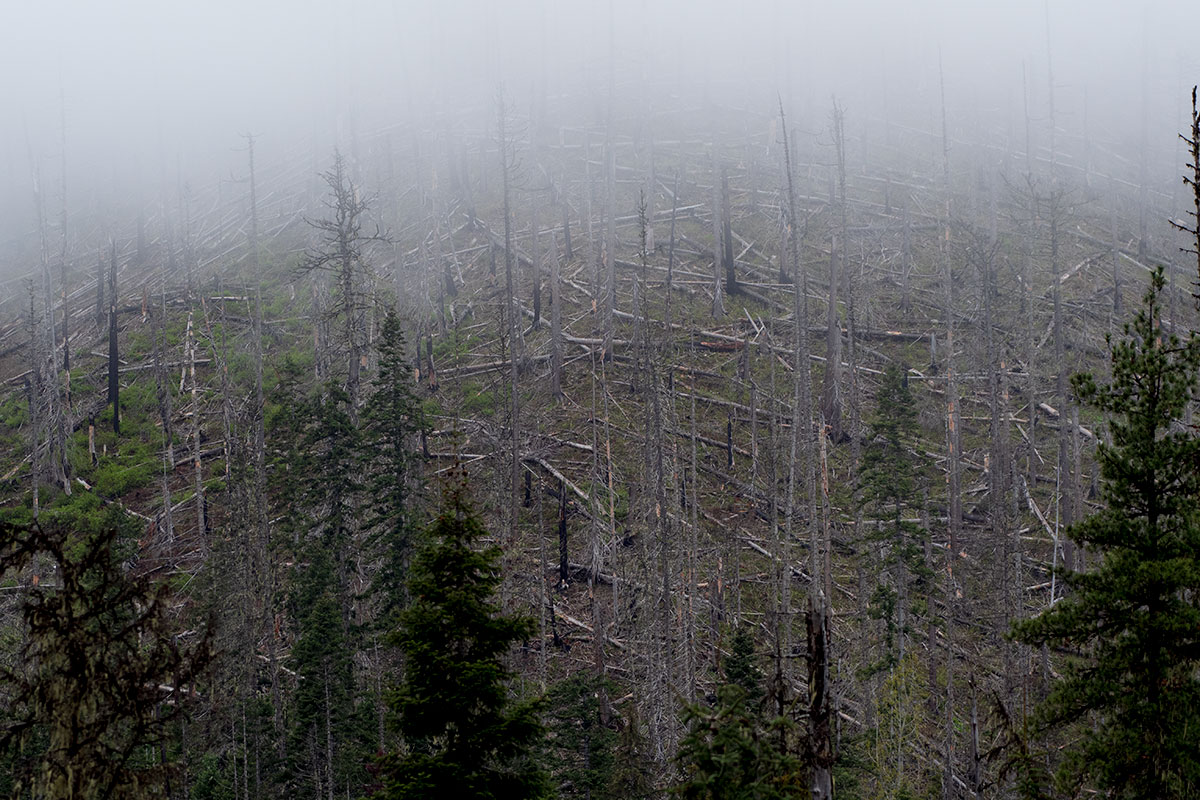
[[541, 462], [478, 369], [584, 626]]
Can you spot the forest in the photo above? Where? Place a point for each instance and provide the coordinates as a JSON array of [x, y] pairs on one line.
[[609, 442]]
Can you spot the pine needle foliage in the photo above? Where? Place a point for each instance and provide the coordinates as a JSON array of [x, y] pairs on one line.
[[1130, 628], [463, 735]]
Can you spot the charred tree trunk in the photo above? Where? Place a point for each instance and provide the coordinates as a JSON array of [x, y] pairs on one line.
[[820, 705]]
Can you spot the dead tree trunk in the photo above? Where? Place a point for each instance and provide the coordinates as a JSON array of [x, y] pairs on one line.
[[831, 405], [556, 343], [197, 463], [820, 706], [731, 284], [610, 242], [510, 316], [954, 469], [114, 388], [718, 304]]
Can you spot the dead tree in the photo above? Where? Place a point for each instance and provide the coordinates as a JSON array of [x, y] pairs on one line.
[[163, 397], [556, 341], [731, 284], [718, 304], [340, 252], [820, 701], [610, 243], [114, 387], [1192, 139], [831, 403], [507, 165], [801, 464], [101, 313], [954, 462]]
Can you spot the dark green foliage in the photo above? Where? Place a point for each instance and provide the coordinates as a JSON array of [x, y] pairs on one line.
[[892, 478], [728, 754], [326, 743], [392, 418], [103, 676], [581, 744], [464, 737], [732, 750], [329, 470], [633, 771], [740, 669], [1131, 626], [317, 479]]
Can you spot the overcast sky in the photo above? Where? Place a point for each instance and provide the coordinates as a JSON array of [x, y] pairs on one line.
[[152, 82]]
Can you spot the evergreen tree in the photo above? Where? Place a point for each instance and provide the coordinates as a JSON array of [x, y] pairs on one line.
[[633, 768], [740, 669], [318, 476], [391, 419], [463, 736], [891, 478], [102, 675], [582, 746], [1131, 627], [732, 751], [327, 744]]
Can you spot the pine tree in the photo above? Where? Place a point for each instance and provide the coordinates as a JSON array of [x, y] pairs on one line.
[[90, 711], [633, 769], [391, 419], [318, 476], [732, 750], [463, 735], [892, 475], [327, 742], [740, 669], [582, 746], [1131, 627]]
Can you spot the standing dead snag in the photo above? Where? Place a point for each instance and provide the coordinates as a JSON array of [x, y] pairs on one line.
[[114, 388], [820, 705], [802, 463], [610, 241], [1192, 139], [831, 404], [340, 252], [718, 304], [507, 165], [556, 343], [731, 284]]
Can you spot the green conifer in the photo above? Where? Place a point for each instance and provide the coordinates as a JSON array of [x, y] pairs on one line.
[[463, 735], [732, 751], [1130, 628]]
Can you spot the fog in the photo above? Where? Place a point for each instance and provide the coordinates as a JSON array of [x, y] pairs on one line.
[[135, 95]]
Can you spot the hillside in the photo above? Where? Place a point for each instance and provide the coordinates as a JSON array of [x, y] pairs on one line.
[[665, 357]]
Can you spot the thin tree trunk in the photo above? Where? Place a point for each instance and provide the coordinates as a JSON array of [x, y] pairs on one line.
[[114, 388]]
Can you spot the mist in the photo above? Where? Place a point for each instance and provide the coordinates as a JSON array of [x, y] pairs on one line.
[[133, 96]]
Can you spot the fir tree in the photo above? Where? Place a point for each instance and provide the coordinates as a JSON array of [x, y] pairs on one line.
[[327, 746], [892, 475], [581, 744], [464, 737], [740, 669], [1131, 627], [732, 751], [391, 419], [633, 768]]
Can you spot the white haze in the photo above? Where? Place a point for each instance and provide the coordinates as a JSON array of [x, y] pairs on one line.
[[153, 91]]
